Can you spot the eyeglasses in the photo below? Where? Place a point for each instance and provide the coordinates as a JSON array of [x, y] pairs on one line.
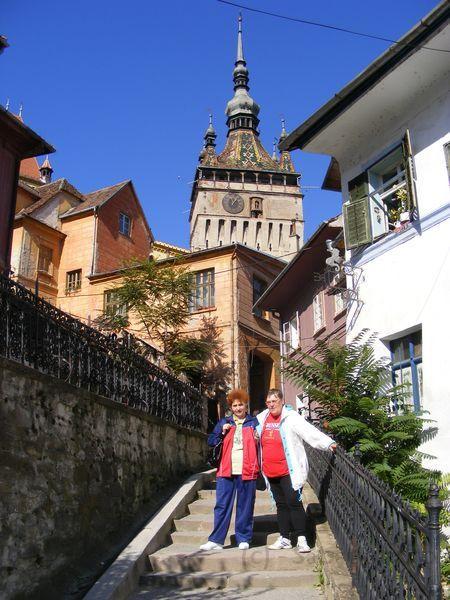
[[277, 401]]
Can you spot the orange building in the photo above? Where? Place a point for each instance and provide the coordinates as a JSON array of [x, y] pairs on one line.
[[65, 241]]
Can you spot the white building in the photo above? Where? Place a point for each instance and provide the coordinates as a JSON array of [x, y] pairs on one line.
[[388, 133]]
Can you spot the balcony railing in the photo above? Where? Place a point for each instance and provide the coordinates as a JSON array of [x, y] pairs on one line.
[[392, 551], [40, 336]]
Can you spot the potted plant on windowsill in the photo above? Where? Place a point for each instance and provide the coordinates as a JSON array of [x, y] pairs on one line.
[[399, 215]]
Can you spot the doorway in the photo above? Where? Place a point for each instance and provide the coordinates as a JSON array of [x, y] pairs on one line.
[[259, 374]]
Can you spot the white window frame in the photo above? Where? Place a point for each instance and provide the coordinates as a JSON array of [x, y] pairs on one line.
[[125, 224], [45, 262], [203, 290], [318, 312], [111, 306], [291, 335], [73, 280]]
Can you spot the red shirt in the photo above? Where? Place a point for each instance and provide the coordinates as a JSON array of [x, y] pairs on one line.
[[274, 459]]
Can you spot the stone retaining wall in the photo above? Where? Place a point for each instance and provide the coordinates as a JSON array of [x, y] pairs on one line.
[[75, 470]]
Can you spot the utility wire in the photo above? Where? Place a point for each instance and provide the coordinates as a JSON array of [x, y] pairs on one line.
[[324, 26]]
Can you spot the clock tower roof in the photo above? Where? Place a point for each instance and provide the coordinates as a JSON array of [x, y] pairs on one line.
[[243, 149]]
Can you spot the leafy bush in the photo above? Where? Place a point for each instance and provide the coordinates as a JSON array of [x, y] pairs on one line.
[[352, 394]]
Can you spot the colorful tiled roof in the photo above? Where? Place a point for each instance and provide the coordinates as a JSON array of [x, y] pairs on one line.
[[244, 150]]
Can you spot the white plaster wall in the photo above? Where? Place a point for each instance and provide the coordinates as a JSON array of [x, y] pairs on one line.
[[407, 284]]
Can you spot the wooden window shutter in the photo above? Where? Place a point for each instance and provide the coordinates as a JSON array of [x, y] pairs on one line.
[[410, 175], [359, 187], [357, 228]]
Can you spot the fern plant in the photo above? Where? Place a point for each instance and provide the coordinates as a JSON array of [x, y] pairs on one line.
[[351, 391]]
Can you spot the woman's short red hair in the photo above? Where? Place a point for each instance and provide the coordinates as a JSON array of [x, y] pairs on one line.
[[237, 395]]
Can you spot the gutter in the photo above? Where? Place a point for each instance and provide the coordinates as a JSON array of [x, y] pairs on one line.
[[397, 53]]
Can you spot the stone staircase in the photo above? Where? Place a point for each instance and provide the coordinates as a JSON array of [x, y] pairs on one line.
[[181, 570]]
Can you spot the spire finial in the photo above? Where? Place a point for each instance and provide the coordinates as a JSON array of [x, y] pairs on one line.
[[274, 150], [283, 133], [240, 50], [7, 104], [21, 109], [210, 135]]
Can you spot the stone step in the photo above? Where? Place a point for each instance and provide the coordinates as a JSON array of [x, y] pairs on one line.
[[207, 494], [199, 522], [196, 538], [220, 580], [185, 559], [205, 507]]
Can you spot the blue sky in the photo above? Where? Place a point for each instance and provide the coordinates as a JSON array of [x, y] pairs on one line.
[[123, 89]]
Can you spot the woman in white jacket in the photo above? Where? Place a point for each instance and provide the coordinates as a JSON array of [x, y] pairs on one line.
[[285, 465]]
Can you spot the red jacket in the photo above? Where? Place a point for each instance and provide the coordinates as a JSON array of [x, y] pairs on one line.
[[250, 465]]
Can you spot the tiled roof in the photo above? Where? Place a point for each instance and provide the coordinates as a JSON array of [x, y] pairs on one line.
[[97, 198], [171, 247], [48, 191], [28, 188], [29, 168]]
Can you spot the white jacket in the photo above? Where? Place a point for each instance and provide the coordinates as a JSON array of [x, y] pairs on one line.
[[293, 430]]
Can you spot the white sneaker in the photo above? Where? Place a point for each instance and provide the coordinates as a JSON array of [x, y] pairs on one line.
[[244, 546], [282, 543], [302, 545], [211, 546]]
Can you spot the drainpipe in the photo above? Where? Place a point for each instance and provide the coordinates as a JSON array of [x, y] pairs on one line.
[[94, 245]]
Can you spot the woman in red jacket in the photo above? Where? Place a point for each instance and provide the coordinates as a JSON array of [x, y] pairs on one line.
[[237, 473]]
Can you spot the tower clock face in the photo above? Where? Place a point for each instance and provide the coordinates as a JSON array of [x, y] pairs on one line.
[[233, 203]]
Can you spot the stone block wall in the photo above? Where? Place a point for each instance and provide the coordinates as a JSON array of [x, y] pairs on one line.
[[75, 470]]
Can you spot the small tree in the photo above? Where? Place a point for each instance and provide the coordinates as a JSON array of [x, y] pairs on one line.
[[354, 396]]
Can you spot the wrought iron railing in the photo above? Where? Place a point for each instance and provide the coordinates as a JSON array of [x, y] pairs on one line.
[[392, 551], [36, 334]]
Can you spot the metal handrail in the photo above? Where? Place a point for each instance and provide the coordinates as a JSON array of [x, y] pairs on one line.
[[392, 551], [39, 335]]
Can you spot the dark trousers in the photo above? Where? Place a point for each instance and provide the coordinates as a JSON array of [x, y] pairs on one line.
[[226, 490], [290, 512]]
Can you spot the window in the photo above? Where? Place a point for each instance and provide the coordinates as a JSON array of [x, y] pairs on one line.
[[447, 158], [381, 198], [318, 313], [291, 335], [259, 287], [406, 356], [45, 259], [125, 224], [202, 295], [111, 305], [73, 280], [340, 302]]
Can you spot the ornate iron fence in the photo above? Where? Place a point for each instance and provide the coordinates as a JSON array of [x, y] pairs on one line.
[[36, 334], [391, 550]]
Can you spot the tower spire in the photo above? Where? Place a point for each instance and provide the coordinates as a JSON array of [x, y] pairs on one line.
[[242, 111], [210, 134], [46, 171], [285, 156]]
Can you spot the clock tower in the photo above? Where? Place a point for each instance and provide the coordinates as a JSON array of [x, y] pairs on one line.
[[244, 195]]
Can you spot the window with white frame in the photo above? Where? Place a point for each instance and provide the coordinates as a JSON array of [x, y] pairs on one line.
[[340, 302], [112, 307], [318, 312], [382, 198], [406, 356], [291, 335], [73, 281], [203, 292], [125, 224]]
